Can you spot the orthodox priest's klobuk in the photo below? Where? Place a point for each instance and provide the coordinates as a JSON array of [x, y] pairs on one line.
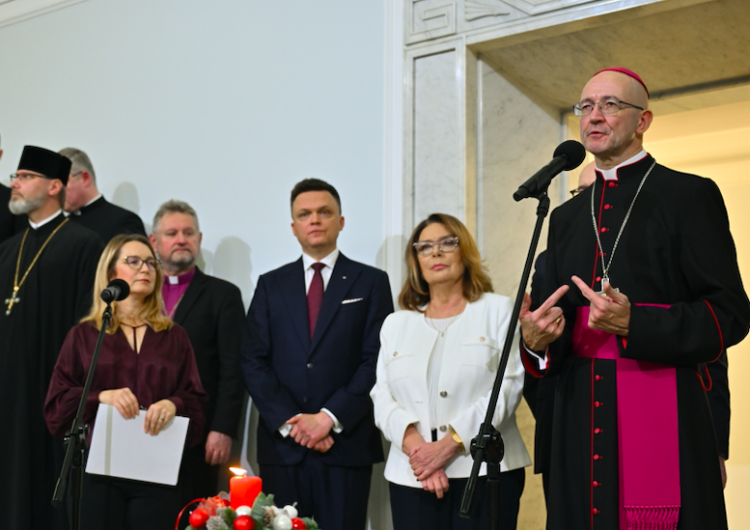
[[46, 278], [657, 292]]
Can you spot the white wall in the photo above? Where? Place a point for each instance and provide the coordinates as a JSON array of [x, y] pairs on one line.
[[223, 103]]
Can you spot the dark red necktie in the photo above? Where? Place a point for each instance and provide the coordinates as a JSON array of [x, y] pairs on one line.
[[315, 296]]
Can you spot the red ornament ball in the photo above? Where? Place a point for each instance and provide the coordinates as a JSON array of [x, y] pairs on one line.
[[198, 518], [298, 524], [244, 522], [221, 503]]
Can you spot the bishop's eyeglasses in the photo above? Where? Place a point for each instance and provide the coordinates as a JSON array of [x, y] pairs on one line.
[[610, 105]]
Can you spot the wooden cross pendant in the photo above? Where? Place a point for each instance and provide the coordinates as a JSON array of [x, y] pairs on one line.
[[12, 300]]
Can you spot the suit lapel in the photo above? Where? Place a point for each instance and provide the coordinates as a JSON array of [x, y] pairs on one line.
[[342, 278], [192, 294], [292, 286]]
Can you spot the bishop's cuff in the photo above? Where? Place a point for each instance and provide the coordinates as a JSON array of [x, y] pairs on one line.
[[534, 363]]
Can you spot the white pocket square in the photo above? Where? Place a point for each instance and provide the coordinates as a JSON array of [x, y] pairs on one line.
[[351, 301]]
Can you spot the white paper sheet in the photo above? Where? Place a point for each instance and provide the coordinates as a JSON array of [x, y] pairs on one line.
[[120, 448]]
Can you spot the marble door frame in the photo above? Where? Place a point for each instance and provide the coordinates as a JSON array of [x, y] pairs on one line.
[[12, 11]]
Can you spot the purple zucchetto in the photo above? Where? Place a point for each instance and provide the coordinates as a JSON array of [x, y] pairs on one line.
[[45, 162], [627, 72]]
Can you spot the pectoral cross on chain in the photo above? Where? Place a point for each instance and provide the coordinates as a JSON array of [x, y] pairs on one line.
[[12, 300], [605, 280]]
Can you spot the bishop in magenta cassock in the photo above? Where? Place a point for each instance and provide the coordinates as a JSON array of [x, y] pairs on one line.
[[642, 287]]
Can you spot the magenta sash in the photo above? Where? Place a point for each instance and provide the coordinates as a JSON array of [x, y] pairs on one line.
[[648, 442]]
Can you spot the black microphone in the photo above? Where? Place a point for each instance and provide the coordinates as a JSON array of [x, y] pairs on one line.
[[116, 290], [568, 155]]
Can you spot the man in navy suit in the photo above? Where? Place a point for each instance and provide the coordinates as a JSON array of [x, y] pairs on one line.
[[309, 352]]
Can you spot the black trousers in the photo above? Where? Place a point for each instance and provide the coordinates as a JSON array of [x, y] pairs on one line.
[[417, 509], [111, 503], [336, 497], [197, 478]]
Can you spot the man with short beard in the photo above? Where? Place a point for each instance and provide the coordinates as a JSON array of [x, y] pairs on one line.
[[46, 278], [212, 313]]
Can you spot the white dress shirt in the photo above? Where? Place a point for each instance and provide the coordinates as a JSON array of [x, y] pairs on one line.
[[307, 262], [329, 261]]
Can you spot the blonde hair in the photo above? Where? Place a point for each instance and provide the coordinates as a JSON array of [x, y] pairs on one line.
[[416, 293], [152, 312]]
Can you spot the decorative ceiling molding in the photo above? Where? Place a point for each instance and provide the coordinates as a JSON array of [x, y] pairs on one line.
[[538, 7], [12, 11], [427, 20], [477, 10]]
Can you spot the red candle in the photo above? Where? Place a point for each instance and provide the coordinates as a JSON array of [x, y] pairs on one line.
[[243, 489]]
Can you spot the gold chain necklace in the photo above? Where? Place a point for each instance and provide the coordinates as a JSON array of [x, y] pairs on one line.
[[14, 299], [446, 321], [443, 322]]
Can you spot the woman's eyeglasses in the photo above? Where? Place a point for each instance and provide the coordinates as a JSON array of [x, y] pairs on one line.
[[426, 248]]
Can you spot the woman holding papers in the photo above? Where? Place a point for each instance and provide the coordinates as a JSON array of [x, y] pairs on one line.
[[146, 366]]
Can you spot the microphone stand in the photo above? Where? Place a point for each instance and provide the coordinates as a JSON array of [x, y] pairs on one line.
[[488, 445], [75, 439]]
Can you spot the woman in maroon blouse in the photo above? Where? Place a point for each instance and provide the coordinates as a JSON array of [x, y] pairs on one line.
[[146, 363]]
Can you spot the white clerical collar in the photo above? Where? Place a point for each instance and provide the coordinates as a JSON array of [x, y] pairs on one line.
[[45, 221], [92, 201], [611, 174], [328, 261]]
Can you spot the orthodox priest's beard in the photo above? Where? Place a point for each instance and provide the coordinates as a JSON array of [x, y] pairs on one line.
[[20, 206]]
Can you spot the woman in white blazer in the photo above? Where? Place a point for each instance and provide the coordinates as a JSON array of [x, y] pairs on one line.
[[437, 364]]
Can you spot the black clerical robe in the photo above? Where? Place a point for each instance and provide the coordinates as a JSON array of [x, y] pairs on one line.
[[7, 219], [9, 223], [108, 220], [676, 250], [56, 293]]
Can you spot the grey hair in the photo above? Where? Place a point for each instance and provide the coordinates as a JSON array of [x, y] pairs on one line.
[[174, 206], [80, 160]]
